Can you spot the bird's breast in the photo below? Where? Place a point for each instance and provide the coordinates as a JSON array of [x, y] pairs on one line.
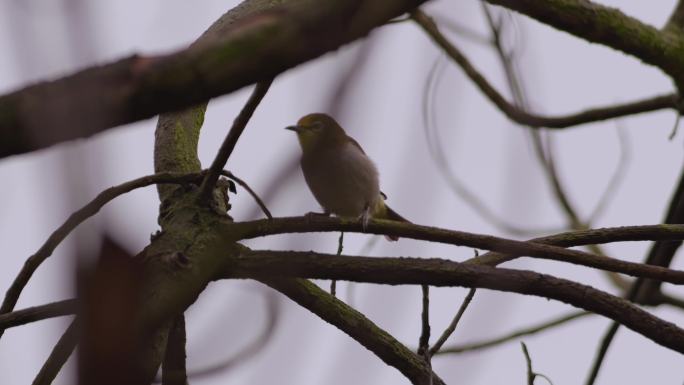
[[343, 180]]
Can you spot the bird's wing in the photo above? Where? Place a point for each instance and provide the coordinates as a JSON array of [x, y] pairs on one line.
[[355, 143]]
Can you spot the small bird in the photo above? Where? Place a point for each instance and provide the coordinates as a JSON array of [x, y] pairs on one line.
[[342, 178]]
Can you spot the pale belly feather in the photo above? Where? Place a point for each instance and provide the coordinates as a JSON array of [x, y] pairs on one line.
[[344, 181]]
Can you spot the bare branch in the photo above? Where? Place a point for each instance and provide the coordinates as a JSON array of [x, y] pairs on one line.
[[514, 335], [90, 209], [602, 350], [357, 326], [538, 121], [229, 143], [140, 87], [440, 272], [37, 313], [251, 192], [254, 229], [424, 340], [59, 356], [452, 326], [608, 26]]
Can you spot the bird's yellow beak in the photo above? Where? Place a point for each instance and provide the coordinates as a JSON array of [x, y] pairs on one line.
[[296, 129]]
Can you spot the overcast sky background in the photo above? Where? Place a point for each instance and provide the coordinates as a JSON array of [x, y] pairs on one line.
[[43, 40]]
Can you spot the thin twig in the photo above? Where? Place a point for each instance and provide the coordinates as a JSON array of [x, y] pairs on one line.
[[90, 209], [251, 192], [351, 286], [531, 375], [538, 121], [229, 143], [424, 340], [528, 361], [59, 356], [340, 246], [676, 126], [452, 326], [439, 157], [606, 341], [514, 335], [37, 313], [618, 175]]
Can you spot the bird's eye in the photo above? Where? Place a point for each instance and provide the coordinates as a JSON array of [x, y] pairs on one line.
[[316, 126]]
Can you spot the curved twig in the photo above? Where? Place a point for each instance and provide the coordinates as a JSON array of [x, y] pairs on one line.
[[465, 348], [251, 192], [537, 121], [90, 209]]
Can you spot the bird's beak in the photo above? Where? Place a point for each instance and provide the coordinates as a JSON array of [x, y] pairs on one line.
[[294, 128]]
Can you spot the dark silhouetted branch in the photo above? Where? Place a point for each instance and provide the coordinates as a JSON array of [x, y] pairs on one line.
[[454, 322], [259, 228], [37, 313], [33, 262], [608, 26], [357, 326], [173, 367], [239, 125], [140, 87], [59, 356], [536, 121], [251, 192], [440, 272]]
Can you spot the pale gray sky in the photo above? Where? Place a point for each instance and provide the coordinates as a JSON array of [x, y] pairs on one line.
[[383, 112]]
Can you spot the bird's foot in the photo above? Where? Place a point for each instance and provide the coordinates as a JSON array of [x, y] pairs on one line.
[[365, 218], [312, 214]]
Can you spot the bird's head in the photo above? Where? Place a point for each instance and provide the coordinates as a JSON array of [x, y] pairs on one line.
[[318, 131]]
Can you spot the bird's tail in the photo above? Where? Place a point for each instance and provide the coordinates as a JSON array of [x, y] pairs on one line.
[[393, 216]]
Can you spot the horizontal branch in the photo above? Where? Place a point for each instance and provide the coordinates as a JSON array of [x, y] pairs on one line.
[[610, 27], [37, 313], [440, 272], [281, 35], [245, 230], [522, 117]]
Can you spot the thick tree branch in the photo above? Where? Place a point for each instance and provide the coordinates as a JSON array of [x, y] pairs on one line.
[[173, 367], [537, 121], [440, 272], [610, 27], [255, 46], [356, 325], [245, 230]]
